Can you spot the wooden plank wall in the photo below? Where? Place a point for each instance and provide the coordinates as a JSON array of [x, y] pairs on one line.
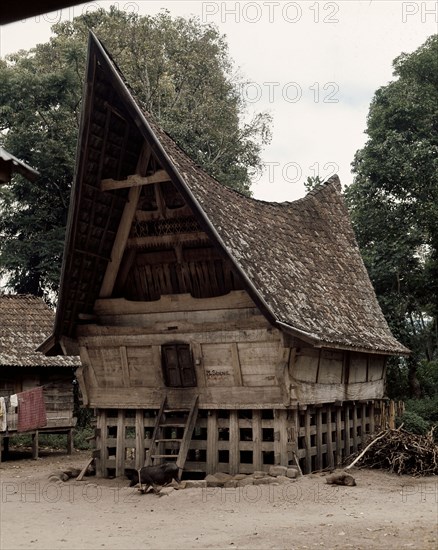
[[242, 441]]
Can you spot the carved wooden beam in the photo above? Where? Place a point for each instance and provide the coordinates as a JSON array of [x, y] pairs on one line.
[[167, 240], [134, 180], [170, 213], [124, 229]]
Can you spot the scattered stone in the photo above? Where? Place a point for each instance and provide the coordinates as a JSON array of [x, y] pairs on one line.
[[259, 473], [246, 481], [264, 480], [221, 476], [283, 479], [195, 484], [231, 483], [166, 491], [277, 471], [240, 476], [213, 481], [292, 473]]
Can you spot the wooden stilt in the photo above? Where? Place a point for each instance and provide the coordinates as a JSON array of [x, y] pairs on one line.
[[319, 461], [212, 438], [139, 440], [330, 459], [338, 436], [234, 442], [120, 446], [307, 442], [35, 447], [257, 440], [355, 427]]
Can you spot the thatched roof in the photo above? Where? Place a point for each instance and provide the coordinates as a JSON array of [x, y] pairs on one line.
[[299, 261], [25, 322]]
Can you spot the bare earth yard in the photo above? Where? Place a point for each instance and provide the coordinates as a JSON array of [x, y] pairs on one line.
[[383, 511]]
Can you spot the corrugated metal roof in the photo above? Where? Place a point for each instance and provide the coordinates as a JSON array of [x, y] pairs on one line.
[[25, 322]]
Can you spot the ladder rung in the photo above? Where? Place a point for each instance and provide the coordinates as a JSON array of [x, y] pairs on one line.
[[173, 425], [164, 456], [167, 440]]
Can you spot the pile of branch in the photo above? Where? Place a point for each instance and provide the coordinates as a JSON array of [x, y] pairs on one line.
[[401, 452]]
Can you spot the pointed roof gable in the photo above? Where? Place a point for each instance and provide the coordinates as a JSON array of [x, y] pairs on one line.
[[298, 260]]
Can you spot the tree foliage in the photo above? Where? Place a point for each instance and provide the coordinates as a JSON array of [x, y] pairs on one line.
[[394, 201], [180, 71]]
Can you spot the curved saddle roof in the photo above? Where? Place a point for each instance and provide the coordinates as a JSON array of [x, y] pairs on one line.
[[298, 260]]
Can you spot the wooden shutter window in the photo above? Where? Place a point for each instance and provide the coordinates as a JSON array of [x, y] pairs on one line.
[[178, 367]]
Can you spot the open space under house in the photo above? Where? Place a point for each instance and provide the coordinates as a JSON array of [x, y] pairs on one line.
[[224, 332]]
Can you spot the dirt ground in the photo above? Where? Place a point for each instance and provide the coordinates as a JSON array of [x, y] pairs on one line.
[[382, 511]]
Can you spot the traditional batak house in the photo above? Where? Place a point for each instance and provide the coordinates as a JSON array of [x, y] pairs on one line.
[[223, 331], [36, 392]]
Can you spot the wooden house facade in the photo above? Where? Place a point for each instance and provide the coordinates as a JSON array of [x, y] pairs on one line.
[[180, 294], [25, 321]]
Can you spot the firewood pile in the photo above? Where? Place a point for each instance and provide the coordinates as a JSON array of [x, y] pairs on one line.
[[401, 452]]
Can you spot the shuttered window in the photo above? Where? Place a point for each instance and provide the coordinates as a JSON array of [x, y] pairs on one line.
[[178, 368]]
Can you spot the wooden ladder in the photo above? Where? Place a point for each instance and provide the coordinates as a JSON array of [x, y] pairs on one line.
[[174, 420]]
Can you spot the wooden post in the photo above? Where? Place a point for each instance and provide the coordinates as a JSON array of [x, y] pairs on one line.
[[120, 445], [355, 439], [363, 416], [234, 442], [280, 437], [102, 424], [35, 447], [257, 439], [70, 442], [372, 423], [347, 438], [338, 436], [319, 461], [307, 442], [212, 437], [139, 439], [294, 431], [330, 460], [391, 416]]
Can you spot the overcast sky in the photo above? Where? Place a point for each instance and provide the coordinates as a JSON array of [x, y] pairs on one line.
[[313, 65]]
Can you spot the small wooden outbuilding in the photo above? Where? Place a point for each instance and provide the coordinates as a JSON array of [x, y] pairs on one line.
[[25, 321], [229, 332]]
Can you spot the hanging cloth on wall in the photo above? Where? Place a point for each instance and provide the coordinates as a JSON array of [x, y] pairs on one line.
[[14, 400], [31, 410], [3, 419]]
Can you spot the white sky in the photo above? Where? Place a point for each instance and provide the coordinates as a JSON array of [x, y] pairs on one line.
[[313, 65]]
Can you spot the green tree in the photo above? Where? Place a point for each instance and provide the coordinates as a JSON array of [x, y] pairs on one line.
[[179, 70], [394, 202]]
